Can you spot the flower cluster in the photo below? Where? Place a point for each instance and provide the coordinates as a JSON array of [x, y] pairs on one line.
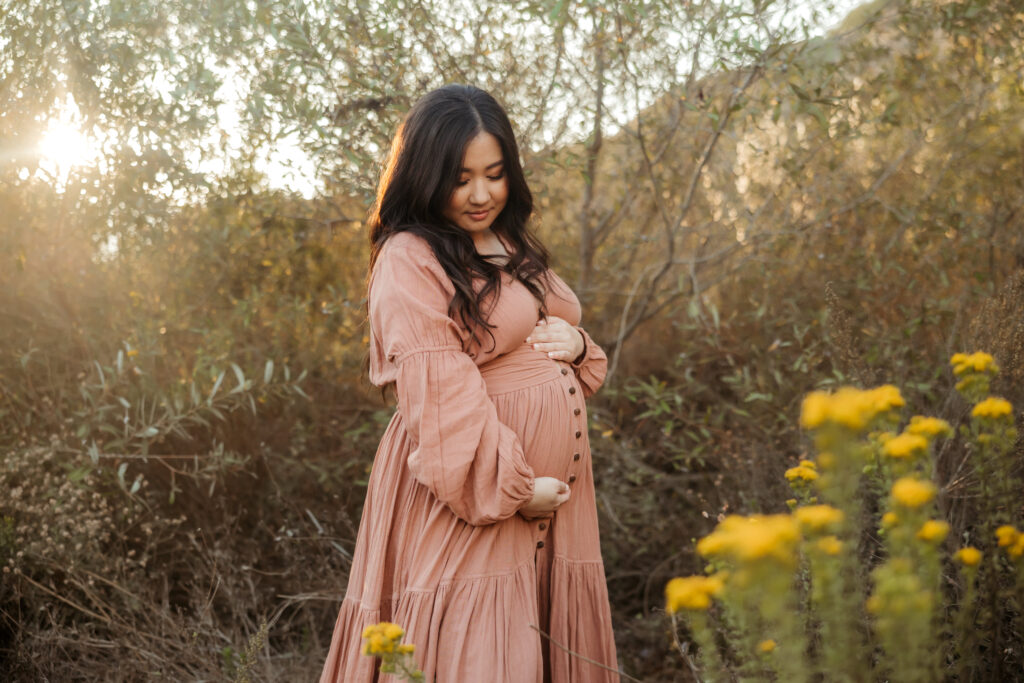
[[816, 518], [977, 362], [933, 531], [928, 427], [993, 408], [745, 539], [692, 593], [830, 545], [802, 474], [905, 445], [975, 371], [911, 492], [1012, 539], [968, 556], [384, 638], [848, 407]]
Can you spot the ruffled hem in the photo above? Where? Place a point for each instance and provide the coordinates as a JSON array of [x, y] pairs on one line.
[[580, 589], [456, 635], [345, 660]]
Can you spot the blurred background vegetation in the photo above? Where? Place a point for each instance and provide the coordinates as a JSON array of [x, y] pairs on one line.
[[749, 206]]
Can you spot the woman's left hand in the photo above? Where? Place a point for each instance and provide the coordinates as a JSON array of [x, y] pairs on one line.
[[557, 338]]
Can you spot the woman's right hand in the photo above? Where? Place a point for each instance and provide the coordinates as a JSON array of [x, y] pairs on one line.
[[548, 495]]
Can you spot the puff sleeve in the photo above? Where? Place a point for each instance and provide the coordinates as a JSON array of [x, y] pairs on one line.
[[591, 366], [461, 452]]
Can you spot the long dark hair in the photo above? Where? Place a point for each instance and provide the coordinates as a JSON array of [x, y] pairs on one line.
[[418, 179]]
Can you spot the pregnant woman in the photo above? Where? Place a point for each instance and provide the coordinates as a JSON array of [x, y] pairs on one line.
[[479, 532]]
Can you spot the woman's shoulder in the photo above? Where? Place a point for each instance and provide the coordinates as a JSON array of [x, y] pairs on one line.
[[408, 241], [411, 250], [408, 256]]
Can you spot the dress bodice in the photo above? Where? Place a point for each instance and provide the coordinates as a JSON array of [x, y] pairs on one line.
[[516, 313]]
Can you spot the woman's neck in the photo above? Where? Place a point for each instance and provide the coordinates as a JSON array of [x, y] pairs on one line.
[[489, 244]]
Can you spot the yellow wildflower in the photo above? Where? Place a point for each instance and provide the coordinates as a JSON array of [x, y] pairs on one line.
[[912, 493], [791, 503], [801, 474], [690, 593], [1016, 551], [818, 517], [809, 464], [890, 519], [886, 397], [849, 407], [992, 408], [381, 638], [406, 648], [933, 531], [928, 426], [968, 556], [814, 410], [830, 545], [1007, 535], [766, 646], [905, 446], [747, 539], [975, 362], [377, 644]]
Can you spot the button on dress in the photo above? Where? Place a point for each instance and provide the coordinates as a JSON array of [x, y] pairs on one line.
[[442, 549]]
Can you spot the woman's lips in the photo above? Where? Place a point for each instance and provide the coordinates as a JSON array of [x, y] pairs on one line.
[[479, 215]]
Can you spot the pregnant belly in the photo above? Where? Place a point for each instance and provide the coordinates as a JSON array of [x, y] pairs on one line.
[[541, 400]]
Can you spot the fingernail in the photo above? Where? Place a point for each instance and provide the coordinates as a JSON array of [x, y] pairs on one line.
[[551, 354]]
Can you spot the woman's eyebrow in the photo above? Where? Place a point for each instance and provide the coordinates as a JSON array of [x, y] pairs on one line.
[[488, 168]]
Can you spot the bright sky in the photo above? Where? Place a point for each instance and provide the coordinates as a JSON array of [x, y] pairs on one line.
[[286, 166]]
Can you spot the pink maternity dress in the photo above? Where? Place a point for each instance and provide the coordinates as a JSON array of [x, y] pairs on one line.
[[442, 550]]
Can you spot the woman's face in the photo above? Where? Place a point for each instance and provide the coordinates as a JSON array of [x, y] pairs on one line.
[[482, 189]]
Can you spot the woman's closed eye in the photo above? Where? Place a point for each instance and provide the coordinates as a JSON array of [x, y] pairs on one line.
[[461, 183]]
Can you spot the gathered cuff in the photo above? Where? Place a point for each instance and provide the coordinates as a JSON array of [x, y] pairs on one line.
[[591, 366]]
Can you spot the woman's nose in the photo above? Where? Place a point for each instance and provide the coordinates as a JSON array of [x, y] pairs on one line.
[[478, 192]]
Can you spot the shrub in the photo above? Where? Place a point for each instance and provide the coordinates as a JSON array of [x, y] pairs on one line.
[[857, 581]]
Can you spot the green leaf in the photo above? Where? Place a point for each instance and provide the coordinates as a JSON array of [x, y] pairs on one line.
[[216, 386], [239, 375]]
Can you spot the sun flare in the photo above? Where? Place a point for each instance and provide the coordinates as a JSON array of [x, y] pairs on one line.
[[65, 146]]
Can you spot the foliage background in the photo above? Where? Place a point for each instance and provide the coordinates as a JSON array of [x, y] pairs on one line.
[[748, 209]]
